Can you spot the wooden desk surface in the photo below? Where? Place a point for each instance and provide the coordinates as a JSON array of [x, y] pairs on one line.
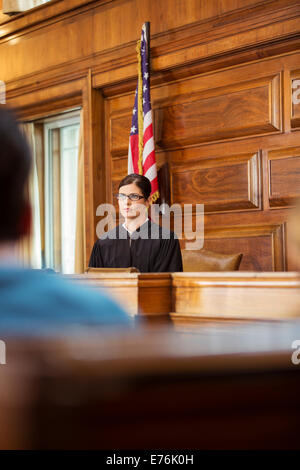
[[219, 388]]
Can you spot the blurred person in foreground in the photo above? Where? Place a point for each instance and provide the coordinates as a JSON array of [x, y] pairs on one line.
[[33, 302]]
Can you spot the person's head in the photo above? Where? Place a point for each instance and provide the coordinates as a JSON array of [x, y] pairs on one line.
[[138, 188], [15, 161]]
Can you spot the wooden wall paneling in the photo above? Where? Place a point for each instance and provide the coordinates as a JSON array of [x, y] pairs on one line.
[[227, 183], [259, 235], [118, 162], [265, 180], [263, 246], [59, 38], [216, 93], [97, 167], [178, 31], [286, 99], [119, 171], [120, 128], [199, 110], [226, 45], [284, 171], [236, 111], [240, 110], [292, 259], [269, 252], [295, 105], [216, 46], [45, 101], [109, 18], [243, 218], [191, 155], [106, 150]]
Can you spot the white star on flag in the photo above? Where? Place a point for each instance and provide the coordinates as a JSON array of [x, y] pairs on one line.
[[133, 111], [145, 88], [146, 75], [133, 129]]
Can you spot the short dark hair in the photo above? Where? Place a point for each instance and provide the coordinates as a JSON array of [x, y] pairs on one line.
[[141, 181], [15, 162]]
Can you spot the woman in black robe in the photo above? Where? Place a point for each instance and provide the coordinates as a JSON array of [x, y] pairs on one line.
[[139, 242]]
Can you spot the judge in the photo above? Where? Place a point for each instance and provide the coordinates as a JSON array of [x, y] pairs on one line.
[[139, 242]]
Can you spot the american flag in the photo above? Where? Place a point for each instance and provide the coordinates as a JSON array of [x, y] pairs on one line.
[[141, 153]]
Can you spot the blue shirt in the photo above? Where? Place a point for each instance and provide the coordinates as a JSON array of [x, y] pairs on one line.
[[39, 303]]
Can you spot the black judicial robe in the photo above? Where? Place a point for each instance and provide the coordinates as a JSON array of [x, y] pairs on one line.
[[150, 249]]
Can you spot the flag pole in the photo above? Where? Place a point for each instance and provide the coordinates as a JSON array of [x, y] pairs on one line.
[[147, 27], [141, 150]]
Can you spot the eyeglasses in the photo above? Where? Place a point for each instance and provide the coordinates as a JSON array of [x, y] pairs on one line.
[[132, 197]]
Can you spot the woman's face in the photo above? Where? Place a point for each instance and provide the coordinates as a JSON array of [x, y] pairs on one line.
[[132, 209]]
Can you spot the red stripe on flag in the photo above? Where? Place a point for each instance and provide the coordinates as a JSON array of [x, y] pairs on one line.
[[150, 160], [134, 143], [148, 133]]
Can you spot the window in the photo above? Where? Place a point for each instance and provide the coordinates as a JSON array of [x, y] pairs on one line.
[[61, 140]]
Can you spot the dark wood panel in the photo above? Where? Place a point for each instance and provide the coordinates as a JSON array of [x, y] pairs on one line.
[[262, 246], [284, 175], [220, 184], [120, 129], [229, 115], [257, 252]]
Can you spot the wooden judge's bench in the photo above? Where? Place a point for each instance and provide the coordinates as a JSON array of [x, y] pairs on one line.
[[192, 299]]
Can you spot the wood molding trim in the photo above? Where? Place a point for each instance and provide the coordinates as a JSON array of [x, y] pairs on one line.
[[200, 42]]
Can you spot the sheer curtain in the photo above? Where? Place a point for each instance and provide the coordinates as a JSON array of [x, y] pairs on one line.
[[15, 6], [80, 212], [30, 251]]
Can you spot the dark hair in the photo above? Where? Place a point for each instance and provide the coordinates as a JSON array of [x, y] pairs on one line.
[[15, 161], [141, 181]]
